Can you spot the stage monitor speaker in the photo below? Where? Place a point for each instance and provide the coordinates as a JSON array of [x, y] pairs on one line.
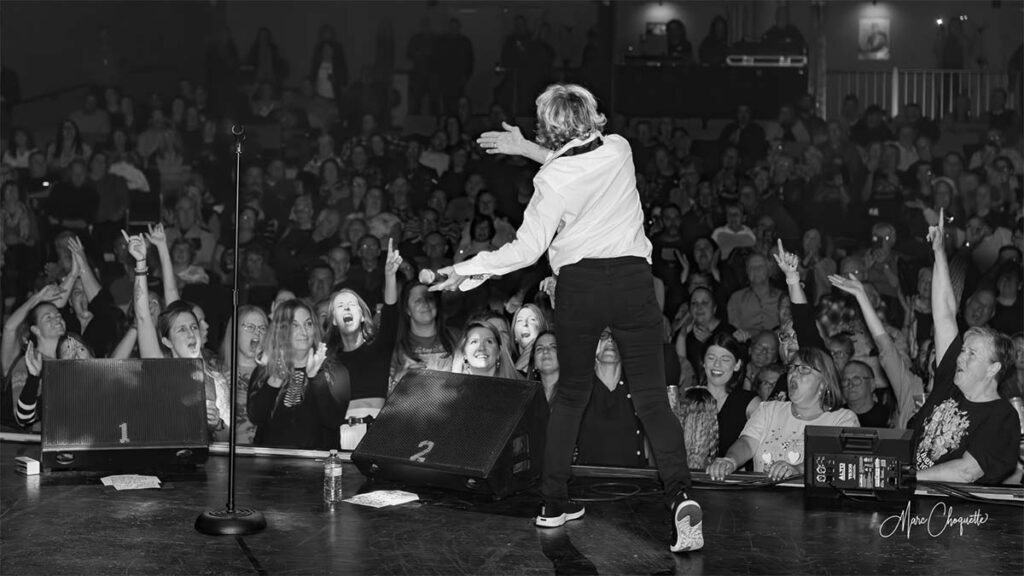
[[866, 462], [457, 431], [130, 414]]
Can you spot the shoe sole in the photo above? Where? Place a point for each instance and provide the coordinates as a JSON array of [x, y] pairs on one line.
[[560, 520], [689, 527]]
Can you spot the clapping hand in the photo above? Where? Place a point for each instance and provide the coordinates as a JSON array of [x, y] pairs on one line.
[[33, 359], [315, 359], [510, 141], [394, 259], [49, 293], [788, 262], [849, 285]]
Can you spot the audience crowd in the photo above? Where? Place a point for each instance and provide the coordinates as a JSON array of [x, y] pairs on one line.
[[794, 259]]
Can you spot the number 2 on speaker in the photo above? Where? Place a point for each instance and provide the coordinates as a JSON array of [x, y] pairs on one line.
[[421, 456], [124, 432]]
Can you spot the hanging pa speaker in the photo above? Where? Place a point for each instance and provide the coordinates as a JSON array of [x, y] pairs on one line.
[[129, 414], [457, 431]]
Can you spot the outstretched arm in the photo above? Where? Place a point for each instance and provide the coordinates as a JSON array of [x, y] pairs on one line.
[[789, 263], [149, 343], [10, 347], [512, 142], [158, 238], [91, 285], [943, 298]]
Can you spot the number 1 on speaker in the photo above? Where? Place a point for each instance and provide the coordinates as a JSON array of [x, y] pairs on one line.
[[124, 432]]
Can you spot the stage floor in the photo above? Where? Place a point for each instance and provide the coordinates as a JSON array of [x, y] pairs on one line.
[[70, 523]]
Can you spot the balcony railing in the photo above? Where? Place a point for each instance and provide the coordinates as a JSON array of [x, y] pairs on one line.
[[935, 90]]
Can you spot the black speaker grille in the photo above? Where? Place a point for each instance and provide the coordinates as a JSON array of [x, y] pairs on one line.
[[123, 404], [446, 421]]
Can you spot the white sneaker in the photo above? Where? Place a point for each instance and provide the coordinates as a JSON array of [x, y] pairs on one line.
[[687, 518]]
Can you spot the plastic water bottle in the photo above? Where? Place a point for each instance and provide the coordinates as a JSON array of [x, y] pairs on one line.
[[332, 478]]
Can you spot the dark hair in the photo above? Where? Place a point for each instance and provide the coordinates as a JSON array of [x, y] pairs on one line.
[[831, 393], [58, 143], [403, 343], [12, 145], [169, 314], [724, 339], [77, 338], [479, 219]]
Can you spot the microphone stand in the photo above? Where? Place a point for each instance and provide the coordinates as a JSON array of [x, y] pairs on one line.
[[233, 520]]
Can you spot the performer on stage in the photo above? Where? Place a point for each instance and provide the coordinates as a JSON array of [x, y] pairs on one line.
[[586, 212]]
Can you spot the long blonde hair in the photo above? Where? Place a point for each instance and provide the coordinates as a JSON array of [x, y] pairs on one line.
[[505, 367]]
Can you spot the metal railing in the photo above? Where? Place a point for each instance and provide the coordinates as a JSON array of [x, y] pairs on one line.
[[936, 90]]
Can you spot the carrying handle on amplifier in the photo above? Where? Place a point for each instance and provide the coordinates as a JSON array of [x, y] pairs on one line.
[[862, 442]]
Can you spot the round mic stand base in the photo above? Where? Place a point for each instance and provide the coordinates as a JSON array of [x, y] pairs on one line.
[[225, 522]]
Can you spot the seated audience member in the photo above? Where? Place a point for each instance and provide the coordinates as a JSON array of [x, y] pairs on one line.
[[357, 342], [610, 432], [767, 379], [1009, 310], [723, 375], [29, 404], [859, 395], [756, 307], [67, 147], [1015, 384], [979, 308], [735, 234], [964, 432], [763, 350], [773, 437], [40, 316], [187, 225], [367, 277], [298, 394], [93, 312], [527, 323], [482, 352], [249, 341], [423, 341], [696, 413], [544, 366], [319, 282], [72, 204], [340, 261], [698, 326]]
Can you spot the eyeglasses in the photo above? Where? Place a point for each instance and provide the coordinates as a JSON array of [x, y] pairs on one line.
[[786, 336], [803, 369], [254, 329], [857, 380]]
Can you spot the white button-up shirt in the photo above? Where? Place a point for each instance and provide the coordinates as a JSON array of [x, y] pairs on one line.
[[583, 206]]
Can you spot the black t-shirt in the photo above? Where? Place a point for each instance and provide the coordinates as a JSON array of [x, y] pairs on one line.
[[370, 364], [610, 433], [732, 418], [948, 425], [877, 417]]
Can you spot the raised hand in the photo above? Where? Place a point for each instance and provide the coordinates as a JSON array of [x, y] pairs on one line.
[[49, 293], [510, 141], [33, 359], [76, 248], [788, 262], [156, 236], [849, 285], [315, 360], [394, 260], [136, 246], [548, 286], [937, 233], [684, 263]]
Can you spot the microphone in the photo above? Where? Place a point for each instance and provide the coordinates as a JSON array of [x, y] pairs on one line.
[[238, 130], [428, 276]]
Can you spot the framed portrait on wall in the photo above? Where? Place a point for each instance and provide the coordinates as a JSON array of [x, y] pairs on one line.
[[873, 40]]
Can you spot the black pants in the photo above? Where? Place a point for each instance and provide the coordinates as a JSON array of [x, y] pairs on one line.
[[618, 293]]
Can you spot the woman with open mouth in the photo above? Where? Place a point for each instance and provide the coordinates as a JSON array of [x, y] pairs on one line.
[[249, 338], [527, 323], [178, 331], [365, 349]]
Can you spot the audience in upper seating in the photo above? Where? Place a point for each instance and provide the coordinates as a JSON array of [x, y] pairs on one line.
[[326, 182]]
